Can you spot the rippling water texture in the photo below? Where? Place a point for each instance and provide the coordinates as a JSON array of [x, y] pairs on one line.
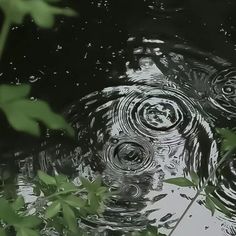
[[161, 124], [154, 118]]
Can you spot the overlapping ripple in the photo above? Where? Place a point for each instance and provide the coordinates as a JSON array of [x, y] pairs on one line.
[[135, 136]]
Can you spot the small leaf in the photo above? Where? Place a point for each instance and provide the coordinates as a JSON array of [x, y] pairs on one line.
[[94, 202], [10, 93], [221, 206], [102, 190], [75, 201], [18, 204], [53, 209], [61, 179], [7, 214], [97, 183], [180, 181], [209, 189], [69, 217], [26, 232], [29, 222], [195, 178], [210, 205], [86, 184], [229, 139], [46, 179]]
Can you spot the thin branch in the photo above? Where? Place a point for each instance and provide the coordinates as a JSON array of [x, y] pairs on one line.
[[226, 156]]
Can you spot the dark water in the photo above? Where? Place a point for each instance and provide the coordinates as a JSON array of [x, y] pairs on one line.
[[145, 84]]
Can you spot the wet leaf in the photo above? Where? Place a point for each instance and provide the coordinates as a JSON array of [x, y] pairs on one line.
[[194, 177], [26, 232], [46, 179], [61, 179], [74, 201], [53, 209], [229, 139], [97, 183], [180, 181], [24, 114], [42, 12], [220, 206], [68, 186], [30, 222], [86, 184], [10, 93], [18, 204], [69, 217], [7, 214], [210, 205], [94, 202], [209, 189]]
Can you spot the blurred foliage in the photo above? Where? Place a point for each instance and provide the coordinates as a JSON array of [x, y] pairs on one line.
[[228, 146], [22, 113], [59, 206]]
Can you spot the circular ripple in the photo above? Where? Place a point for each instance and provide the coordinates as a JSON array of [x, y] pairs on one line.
[[223, 87], [129, 155], [160, 114]]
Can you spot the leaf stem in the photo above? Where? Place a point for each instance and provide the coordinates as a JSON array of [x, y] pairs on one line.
[[226, 156], [4, 33]]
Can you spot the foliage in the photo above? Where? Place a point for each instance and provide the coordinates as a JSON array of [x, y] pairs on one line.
[[23, 114], [228, 147], [62, 204], [42, 12], [210, 201]]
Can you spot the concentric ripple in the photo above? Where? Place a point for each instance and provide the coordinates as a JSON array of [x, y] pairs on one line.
[[162, 114], [135, 136], [223, 87]]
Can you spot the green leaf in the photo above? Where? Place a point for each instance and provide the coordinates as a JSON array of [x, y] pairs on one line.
[[94, 202], [69, 217], [209, 189], [180, 181], [44, 14], [210, 205], [220, 206], [69, 187], [10, 93], [97, 183], [86, 184], [46, 179], [229, 139], [29, 222], [2, 232], [74, 201], [195, 178], [41, 11], [61, 179], [18, 204], [7, 214], [23, 115], [53, 209], [26, 232]]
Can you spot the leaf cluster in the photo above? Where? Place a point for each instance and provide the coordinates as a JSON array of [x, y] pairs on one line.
[[24, 114], [62, 205], [211, 202]]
